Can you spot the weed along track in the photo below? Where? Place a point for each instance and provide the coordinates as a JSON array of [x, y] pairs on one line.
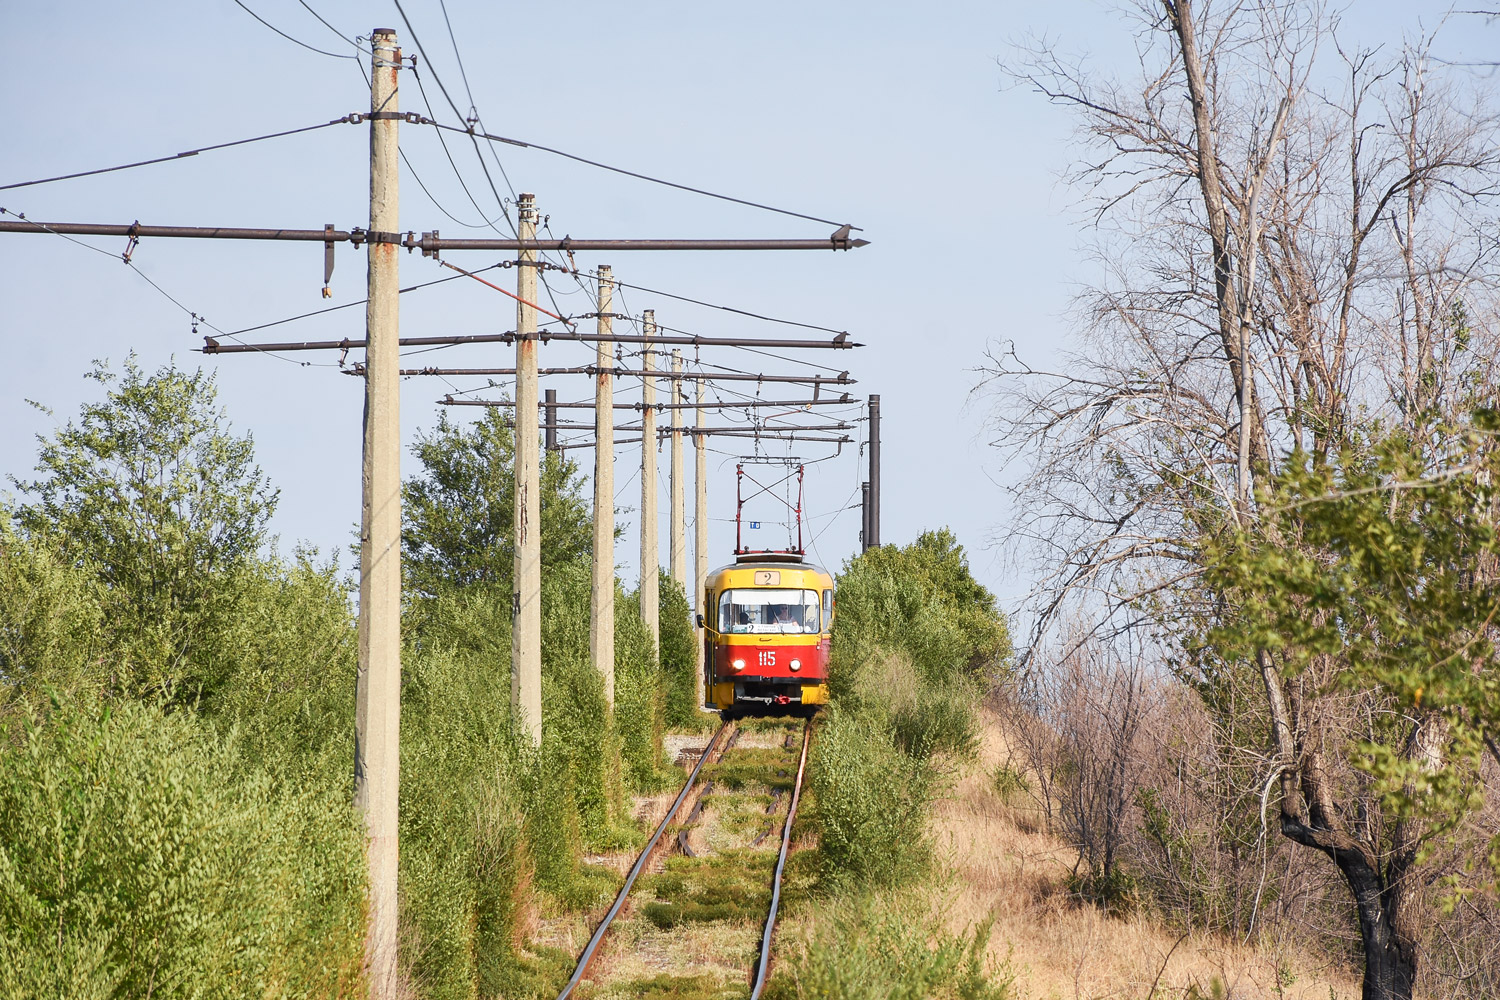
[[696, 917]]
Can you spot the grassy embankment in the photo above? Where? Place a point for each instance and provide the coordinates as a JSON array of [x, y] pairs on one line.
[[917, 800], [199, 841], [177, 717]]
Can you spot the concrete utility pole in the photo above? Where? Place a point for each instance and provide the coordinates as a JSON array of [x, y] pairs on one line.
[[677, 544], [650, 554], [526, 601], [549, 410], [872, 538], [602, 591], [700, 528], [377, 714]]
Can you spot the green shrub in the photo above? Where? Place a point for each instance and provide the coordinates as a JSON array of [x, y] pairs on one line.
[[915, 641], [502, 890], [639, 700], [1009, 784], [927, 716], [454, 758], [289, 691], [883, 948], [149, 491], [872, 804], [140, 856], [921, 600], [50, 615], [679, 660]]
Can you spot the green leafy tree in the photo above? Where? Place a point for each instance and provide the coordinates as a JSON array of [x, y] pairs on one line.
[[922, 599], [459, 511], [150, 491], [1366, 597]]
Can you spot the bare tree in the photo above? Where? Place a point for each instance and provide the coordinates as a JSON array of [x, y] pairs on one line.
[[1101, 703], [1294, 242]]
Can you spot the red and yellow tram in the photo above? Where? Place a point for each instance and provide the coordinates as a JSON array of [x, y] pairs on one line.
[[766, 635]]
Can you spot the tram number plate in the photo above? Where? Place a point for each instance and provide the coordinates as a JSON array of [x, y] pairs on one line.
[[767, 657], [768, 577]]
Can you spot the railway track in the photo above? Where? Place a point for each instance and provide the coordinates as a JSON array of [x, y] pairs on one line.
[[720, 743]]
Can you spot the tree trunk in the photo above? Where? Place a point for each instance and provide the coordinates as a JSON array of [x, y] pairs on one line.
[[1309, 818], [1390, 956], [1390, 949]]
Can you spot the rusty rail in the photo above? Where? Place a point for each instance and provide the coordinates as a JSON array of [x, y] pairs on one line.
[[636, 869], [763, 963], [697, 810]]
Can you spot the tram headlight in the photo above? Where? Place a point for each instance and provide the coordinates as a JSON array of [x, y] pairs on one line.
[[738, 664], [795, 664]]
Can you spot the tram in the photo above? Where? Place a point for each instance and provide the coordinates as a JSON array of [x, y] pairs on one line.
[[766, 621]]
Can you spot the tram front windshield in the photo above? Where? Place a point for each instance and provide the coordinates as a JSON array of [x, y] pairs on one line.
[[762, 611]]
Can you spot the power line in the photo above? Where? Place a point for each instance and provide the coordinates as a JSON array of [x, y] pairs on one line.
[[423, 53], [347, 305], [712, 305], [469, 131], [443, 6], [756, 349], [353, 119], [283, 34], [430, 197], [471, 121], [418, 177], [547, 337], [428, 242], [451, 162], [637, 175], [195, 316], [417, 41], [352, 41], [475, 135]]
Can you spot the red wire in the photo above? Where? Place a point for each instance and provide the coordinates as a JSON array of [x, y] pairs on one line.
[[503, 291]]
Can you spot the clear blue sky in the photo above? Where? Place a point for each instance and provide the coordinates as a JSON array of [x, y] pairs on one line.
[[892, 116]]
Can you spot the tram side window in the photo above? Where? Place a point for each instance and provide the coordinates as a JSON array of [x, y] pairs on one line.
[[764, 611], [827, 609]]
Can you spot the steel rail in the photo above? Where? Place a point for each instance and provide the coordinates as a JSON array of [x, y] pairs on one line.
[[635, 869], [763, 964], [697, 810]]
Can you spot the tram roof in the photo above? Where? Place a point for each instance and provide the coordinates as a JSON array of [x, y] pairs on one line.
[[756, 560]]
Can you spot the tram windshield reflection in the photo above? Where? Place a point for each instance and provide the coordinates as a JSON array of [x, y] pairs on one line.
[[762, 611]]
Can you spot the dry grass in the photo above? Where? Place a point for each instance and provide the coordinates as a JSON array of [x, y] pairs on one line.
[[1006, 868]]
